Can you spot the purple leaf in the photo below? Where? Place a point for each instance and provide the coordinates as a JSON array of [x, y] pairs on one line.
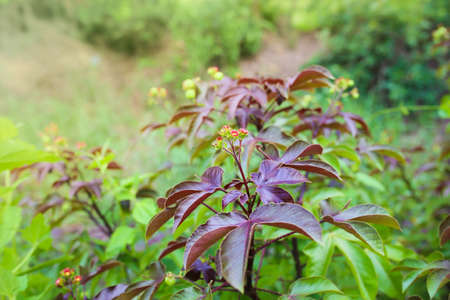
[[367, 213], [233, 196], [129, 292], [172, 246], [199, 268], [213, 176], [234, 255], [289, 216], [269, 175], [273, 194], [102, 268], [444, 231], [209, 233], [187, 206], [92, 187], [312, 73], [158, 221], [211, 181], [300, 149], [315, 166]]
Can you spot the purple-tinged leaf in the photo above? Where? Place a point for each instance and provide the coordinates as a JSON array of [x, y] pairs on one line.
[[184, 189], [158, 221], [269, 175], [234, 255], [111, 292], [209, 233], [129, 292], [300, 149], [185, 111], [172, 246], [315, 166], [91, 187], [366, 233], [233, 196], [312, 73], [187, 206], [350, 120], [288, 216], [151, 127], [388, 151], [367, 213], [436, 280], [444, 231], [273, 194], [199, 268], [102, 268], [213, 176], [211, 181]]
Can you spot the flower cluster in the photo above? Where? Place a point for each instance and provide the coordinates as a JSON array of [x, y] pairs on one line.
[[190, 88], [68, 277], [228, 133], [215, 73], [156, 93]]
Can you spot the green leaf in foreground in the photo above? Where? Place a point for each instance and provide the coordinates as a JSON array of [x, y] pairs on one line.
[[361, 267], [313, 285]]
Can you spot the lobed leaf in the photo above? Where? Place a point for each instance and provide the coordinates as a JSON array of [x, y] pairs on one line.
[[300, 149], [288, 216], [367, 213], [209, 233], [315, 166], [313, 285], [234, 253], [158, 221]]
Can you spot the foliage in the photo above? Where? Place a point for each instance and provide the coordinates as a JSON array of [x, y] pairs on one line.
[[391, 56], [269, 213]]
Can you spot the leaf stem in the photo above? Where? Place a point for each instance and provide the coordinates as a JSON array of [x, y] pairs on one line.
[[244, 179], [273, 241], [210, 208]]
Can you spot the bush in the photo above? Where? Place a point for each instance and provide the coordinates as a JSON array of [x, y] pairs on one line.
[[217, 32], [127, 26], [385, 44]]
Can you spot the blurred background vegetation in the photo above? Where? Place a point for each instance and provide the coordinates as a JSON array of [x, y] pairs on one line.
[[87, 65]]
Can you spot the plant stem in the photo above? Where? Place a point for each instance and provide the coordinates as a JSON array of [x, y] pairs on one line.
[[210, 208], [244, 179], [269, 291], [296, 257], [273, 241], [99, 213], [259, 266], [249, 289]]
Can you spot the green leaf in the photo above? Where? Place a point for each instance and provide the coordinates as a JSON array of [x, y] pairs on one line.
[[332, 160], [14, 154], [369, 181], [10, 284], [37, 231], [7, 129], [361, 268], [190, 293], [389, 282], [365, 233], [10, 218], [122, 236], [143, 211], [313, 285], [346, 152], [436, 280], [319, 257], [325, 194]]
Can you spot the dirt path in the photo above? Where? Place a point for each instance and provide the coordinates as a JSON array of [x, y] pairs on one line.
[[276, 58]]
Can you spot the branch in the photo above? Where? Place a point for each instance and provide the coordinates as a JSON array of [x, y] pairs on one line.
[[273, 241]]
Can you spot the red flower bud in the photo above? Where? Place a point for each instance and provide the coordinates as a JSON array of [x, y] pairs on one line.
[[234, 133], [77, 279], [243, 131], [67, 272], [59, 282]]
